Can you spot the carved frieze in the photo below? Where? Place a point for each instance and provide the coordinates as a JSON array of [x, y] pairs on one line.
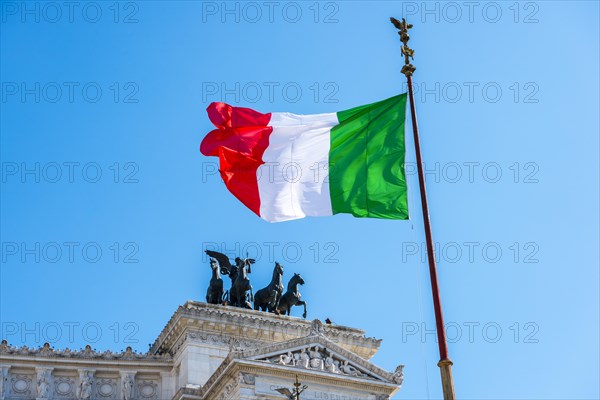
[[220, 340], [320, 359]]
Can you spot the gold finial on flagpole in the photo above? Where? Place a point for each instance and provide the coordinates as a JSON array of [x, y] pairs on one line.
[[407, 52]]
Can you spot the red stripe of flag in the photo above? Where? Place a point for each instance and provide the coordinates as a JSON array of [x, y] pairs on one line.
[[240, 140]]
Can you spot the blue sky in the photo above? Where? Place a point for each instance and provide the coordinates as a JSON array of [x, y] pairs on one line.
[[107, 204]]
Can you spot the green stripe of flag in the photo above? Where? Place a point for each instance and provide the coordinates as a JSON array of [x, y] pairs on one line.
[[366, 161]]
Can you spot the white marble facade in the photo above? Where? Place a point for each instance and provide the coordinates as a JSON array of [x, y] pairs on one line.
[[208, 352]]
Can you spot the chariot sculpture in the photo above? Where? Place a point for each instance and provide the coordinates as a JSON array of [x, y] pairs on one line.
[[268, 299]]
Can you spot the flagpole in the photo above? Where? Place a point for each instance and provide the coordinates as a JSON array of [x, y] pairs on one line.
[[445, 363]]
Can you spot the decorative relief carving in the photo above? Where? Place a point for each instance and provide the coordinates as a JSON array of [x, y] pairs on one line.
[[317, 358], [87, 352], [128, 386], [20, 385], [106, 388], [317, 353], [232, 342], [46, 349], [85, 385], [398, 375], [43, 384], [349, 369], [247, 379], [316, 328], [287, 359], [148, 389], [63, 387], [331, 365]]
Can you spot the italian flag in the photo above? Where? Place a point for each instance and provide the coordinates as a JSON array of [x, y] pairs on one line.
[[285, 166]]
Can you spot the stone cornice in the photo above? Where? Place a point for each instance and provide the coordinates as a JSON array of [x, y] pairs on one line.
[[140, 366], [86, 356], [252, 325]]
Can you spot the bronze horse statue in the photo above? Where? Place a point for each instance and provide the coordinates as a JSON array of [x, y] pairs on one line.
[[267, 299], [292, 296], [238, 273], [238, 295], [214, 294]]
